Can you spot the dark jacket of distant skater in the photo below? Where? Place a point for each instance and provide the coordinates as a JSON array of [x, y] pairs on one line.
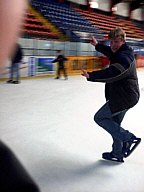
[[60, 59], [121, 87], [17, 57]]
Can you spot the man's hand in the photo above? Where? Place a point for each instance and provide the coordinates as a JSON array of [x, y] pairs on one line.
[[84, 73], [93, 41]]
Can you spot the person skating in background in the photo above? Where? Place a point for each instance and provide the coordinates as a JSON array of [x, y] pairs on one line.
[[121, 92], [61, 65], [15, 65]]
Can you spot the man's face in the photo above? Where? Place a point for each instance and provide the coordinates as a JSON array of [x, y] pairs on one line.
[[116, 43]]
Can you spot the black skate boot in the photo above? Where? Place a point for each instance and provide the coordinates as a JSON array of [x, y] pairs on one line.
[[10, 81], [130, 146], [111, 157]]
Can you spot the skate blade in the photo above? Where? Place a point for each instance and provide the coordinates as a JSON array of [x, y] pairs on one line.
[[133, 147], [114, 159]]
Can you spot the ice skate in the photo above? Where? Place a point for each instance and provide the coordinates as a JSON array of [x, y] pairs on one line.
[[10, 81], [130, 146], [111, 157]]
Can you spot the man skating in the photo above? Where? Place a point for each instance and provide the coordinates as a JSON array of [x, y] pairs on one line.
[[121, 92]]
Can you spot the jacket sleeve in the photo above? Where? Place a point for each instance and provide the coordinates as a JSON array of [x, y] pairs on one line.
[[104, 49], [21, 53], [115, 72], [59, 59], [65, 59], [55, 60]]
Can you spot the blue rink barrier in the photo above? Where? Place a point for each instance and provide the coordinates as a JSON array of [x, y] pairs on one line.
[[40, 65]]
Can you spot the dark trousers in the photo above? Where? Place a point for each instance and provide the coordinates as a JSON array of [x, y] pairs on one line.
[[15, 71], [13, 176], [63, 69], [111, 122]]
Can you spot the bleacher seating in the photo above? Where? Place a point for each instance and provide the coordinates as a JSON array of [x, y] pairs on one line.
[[70, 22], [34, 28], [74, 23], [106, 23]]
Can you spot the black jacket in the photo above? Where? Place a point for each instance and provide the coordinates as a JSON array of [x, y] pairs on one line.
[[121, 80], [60, 59], [18, 55]]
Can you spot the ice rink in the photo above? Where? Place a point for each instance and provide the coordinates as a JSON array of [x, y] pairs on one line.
[[49, 125]]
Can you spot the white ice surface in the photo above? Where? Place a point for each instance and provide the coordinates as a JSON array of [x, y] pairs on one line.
[[49, 125]]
